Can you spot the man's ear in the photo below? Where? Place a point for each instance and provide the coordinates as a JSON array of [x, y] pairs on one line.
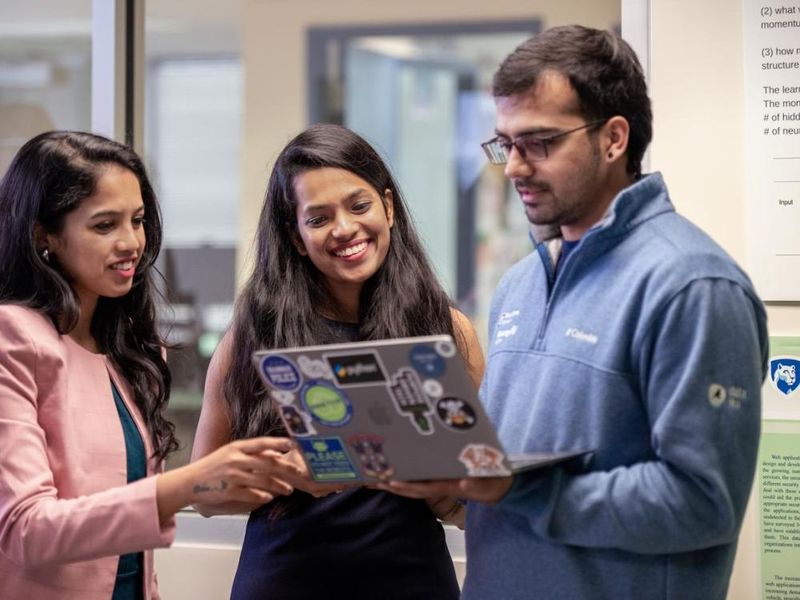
[[617, 132], [388, 205]]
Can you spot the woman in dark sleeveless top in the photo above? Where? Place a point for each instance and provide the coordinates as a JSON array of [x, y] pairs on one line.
[[338, 259]]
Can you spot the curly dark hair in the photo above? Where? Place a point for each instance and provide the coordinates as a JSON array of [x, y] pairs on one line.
[[49, 178], [602, 69]]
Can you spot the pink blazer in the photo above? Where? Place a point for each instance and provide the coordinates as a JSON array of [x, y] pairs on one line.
[[66, 511]]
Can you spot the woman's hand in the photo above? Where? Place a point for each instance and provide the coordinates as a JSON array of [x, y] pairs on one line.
[[238, 477], [304, 482], [448, 510]]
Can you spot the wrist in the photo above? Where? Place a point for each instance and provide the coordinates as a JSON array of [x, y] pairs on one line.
[[173, 492]]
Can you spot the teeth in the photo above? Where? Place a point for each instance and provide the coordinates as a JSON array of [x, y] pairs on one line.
[[123, 266], [351, 250]]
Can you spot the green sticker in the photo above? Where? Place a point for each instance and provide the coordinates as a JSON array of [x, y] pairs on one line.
[[326, 404]]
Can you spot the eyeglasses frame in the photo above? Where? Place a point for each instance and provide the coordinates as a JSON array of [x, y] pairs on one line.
[[544, 141]]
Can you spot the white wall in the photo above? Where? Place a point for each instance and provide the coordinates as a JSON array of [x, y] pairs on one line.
[[697, 87]]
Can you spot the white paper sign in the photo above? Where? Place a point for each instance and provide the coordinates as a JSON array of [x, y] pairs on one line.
[[772, 135]]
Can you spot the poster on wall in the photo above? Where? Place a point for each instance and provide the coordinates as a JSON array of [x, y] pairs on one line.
[[779, 510], [772, 137], [779, 472]]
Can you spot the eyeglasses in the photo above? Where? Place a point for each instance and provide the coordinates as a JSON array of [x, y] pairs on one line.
[[529, 145]]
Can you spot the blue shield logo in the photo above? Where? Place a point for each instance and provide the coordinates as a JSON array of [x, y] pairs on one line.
[[784, 373]]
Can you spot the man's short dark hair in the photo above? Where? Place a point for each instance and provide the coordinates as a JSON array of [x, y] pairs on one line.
[[602, 69]]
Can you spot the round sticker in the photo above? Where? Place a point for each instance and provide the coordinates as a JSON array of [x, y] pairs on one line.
[[455, 413], [282, 397], [280, 372], [326, 404], [426, 361], [315, 368], [446, 349], [433, 388]]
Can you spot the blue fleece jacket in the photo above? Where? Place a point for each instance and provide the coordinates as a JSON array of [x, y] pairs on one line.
[[649, 347]]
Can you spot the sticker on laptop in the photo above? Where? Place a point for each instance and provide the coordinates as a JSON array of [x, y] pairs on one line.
[[456, 413], [327, 459], [280, 372], [369, 448], [314, 368], [297, 422], [363, 368], [446, 349], [433, 388], [410, 400], [482, 460], [426, 361], [282, 397], [325, 403]]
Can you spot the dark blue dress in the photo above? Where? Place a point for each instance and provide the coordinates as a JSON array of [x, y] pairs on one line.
[[357, 544], [129, 583]]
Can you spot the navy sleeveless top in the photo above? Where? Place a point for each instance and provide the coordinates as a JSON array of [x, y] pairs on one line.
[[357, 544], [129, 584]]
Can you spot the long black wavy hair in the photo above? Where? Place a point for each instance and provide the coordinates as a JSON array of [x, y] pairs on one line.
[[49, 178], [281, 303]]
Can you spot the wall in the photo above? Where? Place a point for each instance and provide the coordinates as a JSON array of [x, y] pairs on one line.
[[697, 88], [274, 56]]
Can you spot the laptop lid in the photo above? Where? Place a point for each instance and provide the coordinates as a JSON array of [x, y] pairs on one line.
[[400, 409]]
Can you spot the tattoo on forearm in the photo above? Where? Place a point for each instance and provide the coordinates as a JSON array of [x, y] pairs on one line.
[[210, 487]]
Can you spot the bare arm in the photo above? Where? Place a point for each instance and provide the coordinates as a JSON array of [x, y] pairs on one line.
[[240, 475], [214, 432], [469, 345], [214, 429], [446, 507]]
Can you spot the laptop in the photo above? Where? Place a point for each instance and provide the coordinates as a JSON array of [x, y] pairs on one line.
[[401, 409]]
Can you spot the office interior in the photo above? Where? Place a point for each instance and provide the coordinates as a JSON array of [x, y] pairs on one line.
[[224, 85]]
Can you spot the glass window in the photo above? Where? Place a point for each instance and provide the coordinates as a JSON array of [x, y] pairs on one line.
[[45, 72], [421, 95], [192, 142]]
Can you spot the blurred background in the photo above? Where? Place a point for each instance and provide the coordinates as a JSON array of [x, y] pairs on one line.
[[227, 84]]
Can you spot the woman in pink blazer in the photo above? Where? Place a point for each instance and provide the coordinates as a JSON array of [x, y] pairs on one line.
[[83, 383]]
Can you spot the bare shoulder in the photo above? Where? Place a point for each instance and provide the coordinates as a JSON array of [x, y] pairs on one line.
[[214, 425], [469, 344], [463, 326]]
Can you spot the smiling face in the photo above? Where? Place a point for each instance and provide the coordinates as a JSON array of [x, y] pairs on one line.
[[101, 242], [570, 188], [343, 227]]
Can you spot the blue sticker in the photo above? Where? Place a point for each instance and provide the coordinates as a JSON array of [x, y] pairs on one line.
[[326, 403], [783, 373], [327, 459], [426, 361], [280, 372]]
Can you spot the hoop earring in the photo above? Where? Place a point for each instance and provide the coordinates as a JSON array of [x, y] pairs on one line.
[[46, 255]]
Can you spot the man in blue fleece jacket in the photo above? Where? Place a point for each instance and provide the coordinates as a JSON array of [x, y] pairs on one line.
[[628, 331]]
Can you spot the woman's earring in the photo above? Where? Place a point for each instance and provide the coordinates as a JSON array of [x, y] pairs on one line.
[[46, 255]]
